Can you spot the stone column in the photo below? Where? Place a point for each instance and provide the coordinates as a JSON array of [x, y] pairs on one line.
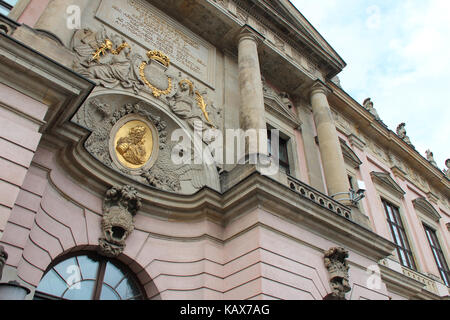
[[330, 147], [55, 16], [250, 83]]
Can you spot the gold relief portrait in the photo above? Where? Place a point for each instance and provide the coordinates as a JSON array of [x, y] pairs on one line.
[[133, 144]]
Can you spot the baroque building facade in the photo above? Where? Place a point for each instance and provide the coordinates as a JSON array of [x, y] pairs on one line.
[[93, 205]]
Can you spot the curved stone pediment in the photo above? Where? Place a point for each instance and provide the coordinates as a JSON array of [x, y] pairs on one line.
[[427, 208]]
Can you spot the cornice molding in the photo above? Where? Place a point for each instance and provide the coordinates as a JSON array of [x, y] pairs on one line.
[[385, 180], [349, 155], [342, 102], [251, 191]]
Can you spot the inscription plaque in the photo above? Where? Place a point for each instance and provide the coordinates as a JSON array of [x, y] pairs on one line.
[[153, 29]]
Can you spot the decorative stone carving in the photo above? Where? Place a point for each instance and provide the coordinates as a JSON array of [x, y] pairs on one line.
[[3, 258], [337, 266], [447, 172], [401, 132], [190, 105], [286, 99], [430, 158], [159, 171], [106, 59], [337, 81], [368, 105], [119, 208], [153, 73]]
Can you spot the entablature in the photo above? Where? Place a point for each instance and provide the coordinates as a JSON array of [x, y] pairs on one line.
[[403, 159]]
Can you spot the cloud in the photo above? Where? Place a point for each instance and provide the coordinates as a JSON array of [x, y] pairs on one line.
[[398, 53]]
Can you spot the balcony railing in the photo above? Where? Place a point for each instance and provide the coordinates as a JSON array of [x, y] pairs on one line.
[[319, 198]]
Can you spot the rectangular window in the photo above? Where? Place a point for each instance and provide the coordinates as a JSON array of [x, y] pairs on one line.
[[6, 6], [282, 152], [438, 255], [399, 235]]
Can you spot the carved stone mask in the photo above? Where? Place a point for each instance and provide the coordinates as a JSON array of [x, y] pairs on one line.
[[119, 208], [336, 263]]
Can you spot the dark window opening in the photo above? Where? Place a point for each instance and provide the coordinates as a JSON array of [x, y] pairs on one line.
[[399, 235], [283, 155], [438, 255]]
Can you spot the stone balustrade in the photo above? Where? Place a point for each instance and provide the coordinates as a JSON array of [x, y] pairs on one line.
[[319, 198]]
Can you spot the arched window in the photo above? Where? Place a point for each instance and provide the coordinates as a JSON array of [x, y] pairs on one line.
[[89, 277]]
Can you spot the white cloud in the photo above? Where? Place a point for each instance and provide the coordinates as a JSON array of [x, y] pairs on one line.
[[398, 53]]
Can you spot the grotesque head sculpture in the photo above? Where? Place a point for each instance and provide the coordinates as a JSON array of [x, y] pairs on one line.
[[119, 208]]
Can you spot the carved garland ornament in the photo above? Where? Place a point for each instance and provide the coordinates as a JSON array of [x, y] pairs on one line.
[[164, 60]]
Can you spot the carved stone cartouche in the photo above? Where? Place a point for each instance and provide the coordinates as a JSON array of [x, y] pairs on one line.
[[119, 208], [336, 264]]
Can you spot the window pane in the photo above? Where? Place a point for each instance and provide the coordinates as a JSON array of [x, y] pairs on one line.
[[11, 2], [66, 268], [403, 258], [4, 11], [389, 213], [398, 220], [127, 289], [108, 293], [52, 284], [283, 151], [89, 267], [397, 236], [81, 291], [404, 239], [411, 262], [113, 275]]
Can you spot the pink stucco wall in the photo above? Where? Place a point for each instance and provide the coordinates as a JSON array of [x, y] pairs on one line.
[[258, 256], [32, 12], [19, 138]]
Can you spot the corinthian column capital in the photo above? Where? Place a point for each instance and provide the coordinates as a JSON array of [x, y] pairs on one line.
[[248, 33], [319, 87]]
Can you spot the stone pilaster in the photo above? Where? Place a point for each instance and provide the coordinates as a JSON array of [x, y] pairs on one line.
[[55, 18], [250, 83], [330, 147]]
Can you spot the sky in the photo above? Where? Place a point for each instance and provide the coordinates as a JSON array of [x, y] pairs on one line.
[[397, 53]]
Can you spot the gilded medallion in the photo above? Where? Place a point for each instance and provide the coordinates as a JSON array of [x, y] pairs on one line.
[[133, 144]]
